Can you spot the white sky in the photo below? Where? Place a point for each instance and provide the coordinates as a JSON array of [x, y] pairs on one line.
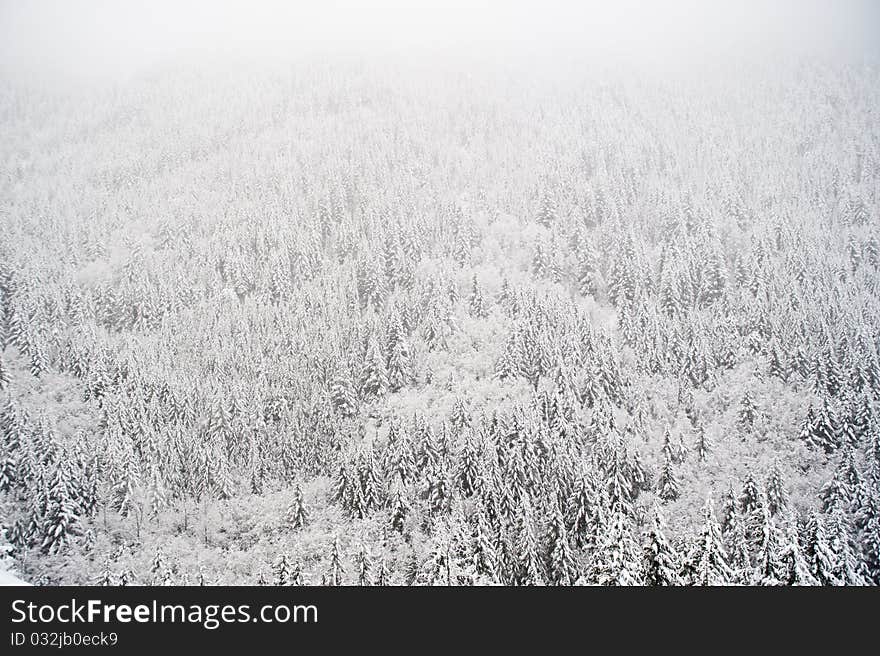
[[82, 37]]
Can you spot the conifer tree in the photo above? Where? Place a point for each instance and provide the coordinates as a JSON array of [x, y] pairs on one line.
[[399, 508], [561, 566], [708, 560], [748, 412], [374, 374], [703, 446], [335, 571], [5, 376], [282, 571], [660, 565], [728, 510], [616, 560], [297, 513], [400, 364], [847, 570], [530, 566], [793, 566], [777, 497], [364, 566], [768, 570], [667, 484], [342, 394]]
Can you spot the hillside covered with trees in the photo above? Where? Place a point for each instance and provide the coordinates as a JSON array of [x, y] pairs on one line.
[[356, 323]]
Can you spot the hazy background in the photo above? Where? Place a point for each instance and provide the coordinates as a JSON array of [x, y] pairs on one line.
[[73, 39]]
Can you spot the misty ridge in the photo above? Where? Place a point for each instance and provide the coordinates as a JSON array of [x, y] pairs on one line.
[[433, 293]]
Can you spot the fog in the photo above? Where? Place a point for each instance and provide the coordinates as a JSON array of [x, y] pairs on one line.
[[74, 40]]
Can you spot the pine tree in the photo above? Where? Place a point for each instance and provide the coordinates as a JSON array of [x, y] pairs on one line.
[[334, 573], [297, 513], [342, 394], [5, 377], [708, 561], [549, 210], [749, 498], [821, 559], [282, 571], [561, 568], [703, 446], [580, 511], [616, 559], [847, 567], [777, 497], [468, 475], [412, 571], [364, 566], [768, 570], [747, 413], [819, 430], [728, 511], [477, 300], [374, 375], [61, 520], [530, 565], [383, 575], [659, 560], [667, 484], [400, 362], [793, 566], [869, 518]]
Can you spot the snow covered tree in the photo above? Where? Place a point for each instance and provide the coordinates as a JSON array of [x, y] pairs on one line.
[[660, 562], [768, 570], [334, 571], [616, 560], [777, 497], [374, 374], [5, 376], [821, 559], [818, 428], [282, 571], [667, 484], [400, 360], [747, 413], [61, 521], [343, 395], [297, 514], [561, 566], [364, 566], [703, 446], [707, 562], [793, 567], [530, 570]]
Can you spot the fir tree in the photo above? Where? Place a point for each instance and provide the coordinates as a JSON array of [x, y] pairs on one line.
[[708, 561], [660, 564], [5, 376], [777, 497], [748, 412], [335, 571], [703, 446], [297, 513], [667, 484], [793, 566], [374, 375], [561, 566], [364, 566], [821, 559], [282, 571], [342, 394], [616, 559], [768, 569]]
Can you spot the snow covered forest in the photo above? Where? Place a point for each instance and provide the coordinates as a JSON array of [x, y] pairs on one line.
[[412, 323]]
